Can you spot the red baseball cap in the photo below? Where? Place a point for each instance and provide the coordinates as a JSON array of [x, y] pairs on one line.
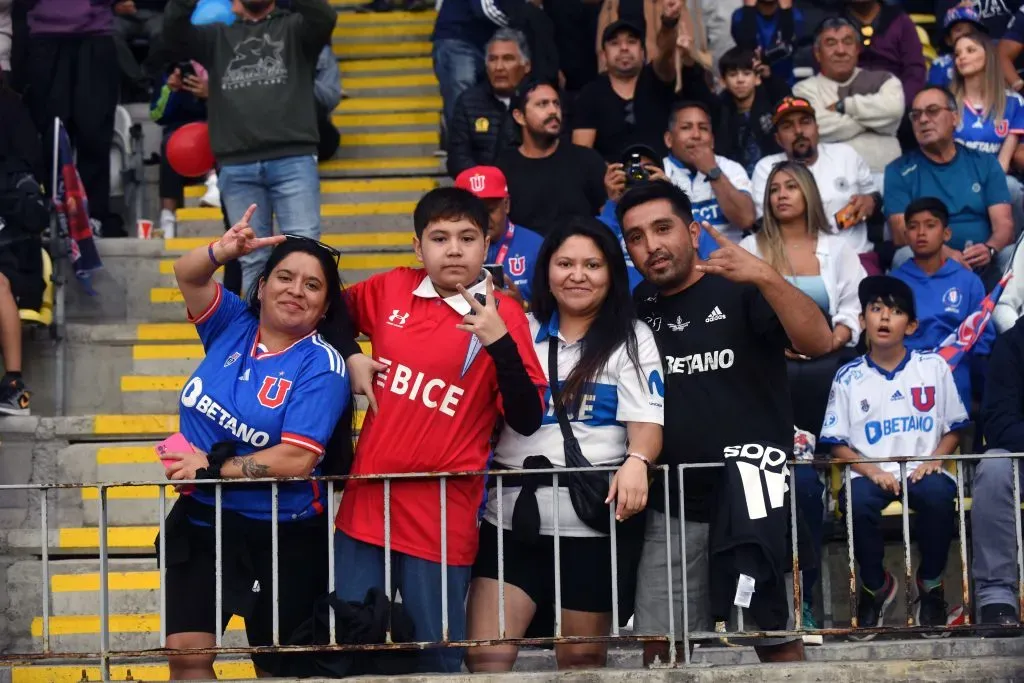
[[486, 182]]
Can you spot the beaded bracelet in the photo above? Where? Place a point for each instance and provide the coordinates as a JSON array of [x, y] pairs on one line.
[[213, 259], [641, 457]]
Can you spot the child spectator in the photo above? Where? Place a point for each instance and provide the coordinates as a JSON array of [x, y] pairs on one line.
[[744, 129], [896, 402], [945, 292], [180, 100]]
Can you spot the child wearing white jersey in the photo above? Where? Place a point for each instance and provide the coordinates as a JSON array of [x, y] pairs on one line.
[[896, 402]]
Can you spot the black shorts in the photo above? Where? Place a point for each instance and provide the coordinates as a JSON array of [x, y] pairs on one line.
[[302, 578], [585, 563], [21, 263]]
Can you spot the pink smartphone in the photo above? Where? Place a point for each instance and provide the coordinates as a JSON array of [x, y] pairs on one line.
[[175, 443]]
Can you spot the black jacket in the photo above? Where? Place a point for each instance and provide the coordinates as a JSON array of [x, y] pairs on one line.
[[749, 531], [729, 121], [1003, 406], [482, 128]]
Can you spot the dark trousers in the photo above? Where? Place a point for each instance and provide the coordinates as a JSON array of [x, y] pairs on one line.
[[810, 501], [330, 139], [76, 78]]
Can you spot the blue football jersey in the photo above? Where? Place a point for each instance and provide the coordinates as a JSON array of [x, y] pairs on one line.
[[257, 399], [519, 258], [985, 133]]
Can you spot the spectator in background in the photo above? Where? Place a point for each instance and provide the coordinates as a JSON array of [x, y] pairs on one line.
[[743, 128], [843, 179], [993, 510], [138, 20], [719, 189], [715, 17], [889, 42], [1011, 303], [482, 128], [511, 246], [263, 122], [630, 103], [859, 107], [1011, 45], [770, 27], [970, 183], [995, 16], [461, 31], [71, 72], [551, 179], [179, 100], [958, 21], [945, 292], [890, 386], [575, 23], [327, 93], [6, 34]]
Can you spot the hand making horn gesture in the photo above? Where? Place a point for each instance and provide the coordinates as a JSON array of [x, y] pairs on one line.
[[241, 239], [732, 261], [483, 319]]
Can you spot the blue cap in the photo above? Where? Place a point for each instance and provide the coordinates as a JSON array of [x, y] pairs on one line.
[[960, 13]]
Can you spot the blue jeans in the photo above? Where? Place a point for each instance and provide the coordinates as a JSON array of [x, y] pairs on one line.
[[932, 498], [360, 566], [287, 188], [458, 66], [810, 501]]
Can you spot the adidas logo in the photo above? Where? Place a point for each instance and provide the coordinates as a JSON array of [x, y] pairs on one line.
[[898, 396], [245, 376], [715, 314], [256, 586]]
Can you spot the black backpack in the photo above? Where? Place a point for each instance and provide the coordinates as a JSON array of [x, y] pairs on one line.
[[23, 208]]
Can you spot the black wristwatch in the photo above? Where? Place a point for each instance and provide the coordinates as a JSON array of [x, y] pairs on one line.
[[714, 174], [841, 106], [992, 251]]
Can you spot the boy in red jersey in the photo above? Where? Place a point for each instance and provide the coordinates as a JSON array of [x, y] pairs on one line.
[[457, 356]]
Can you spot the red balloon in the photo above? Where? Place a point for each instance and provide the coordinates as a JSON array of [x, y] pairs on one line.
[[188, 150]]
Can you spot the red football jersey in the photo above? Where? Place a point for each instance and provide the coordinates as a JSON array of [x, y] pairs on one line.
[[438, 403]]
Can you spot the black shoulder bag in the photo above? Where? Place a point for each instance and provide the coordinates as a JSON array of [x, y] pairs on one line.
[[587, 490]]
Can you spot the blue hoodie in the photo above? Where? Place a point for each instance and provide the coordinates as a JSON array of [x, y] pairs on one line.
[[943, 301], [607, 216]]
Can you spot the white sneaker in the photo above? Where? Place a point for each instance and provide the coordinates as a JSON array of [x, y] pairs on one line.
[[168, 223], [212, 196]]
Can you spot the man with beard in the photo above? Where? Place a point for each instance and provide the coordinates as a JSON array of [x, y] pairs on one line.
[[262, 110], [630, 104], [845, 182], [723, 326], [551, 179]]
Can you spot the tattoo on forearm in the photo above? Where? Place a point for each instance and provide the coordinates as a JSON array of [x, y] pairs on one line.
[[252, 469]]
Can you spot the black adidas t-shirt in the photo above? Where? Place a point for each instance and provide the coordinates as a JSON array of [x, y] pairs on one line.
[[725, 381]]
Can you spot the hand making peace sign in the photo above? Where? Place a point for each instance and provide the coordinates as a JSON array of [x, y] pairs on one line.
[[483, 320], [241, 239]]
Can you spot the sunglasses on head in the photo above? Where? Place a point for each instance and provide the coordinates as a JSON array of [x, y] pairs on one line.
[[331, 251]]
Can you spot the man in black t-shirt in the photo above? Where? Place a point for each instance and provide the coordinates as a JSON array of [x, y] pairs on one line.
[[630, 104], [551, 179], [722, 326]]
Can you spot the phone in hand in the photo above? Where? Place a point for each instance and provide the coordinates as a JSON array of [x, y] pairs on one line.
[[846, 217], [186, 68], [776, 53], [175, 443], [497, 272]]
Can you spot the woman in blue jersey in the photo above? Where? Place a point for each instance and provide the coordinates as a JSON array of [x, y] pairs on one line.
[[610, 375], [264, 402], [991, 117]]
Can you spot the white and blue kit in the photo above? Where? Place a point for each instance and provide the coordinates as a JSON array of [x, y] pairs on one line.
[[906, 412], [244, 394], [702, 195], [985, 133]]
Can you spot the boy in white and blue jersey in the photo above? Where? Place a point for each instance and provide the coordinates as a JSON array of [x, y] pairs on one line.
[[896, 402], [241, 393]]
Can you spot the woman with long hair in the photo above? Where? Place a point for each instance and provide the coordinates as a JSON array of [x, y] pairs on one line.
[[991, 117], [263, 403], [795, 240], [609, 384]]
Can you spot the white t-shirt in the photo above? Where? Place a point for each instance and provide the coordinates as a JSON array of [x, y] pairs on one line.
[[618, 396], [840, 173], [702, 195], [903, 413]]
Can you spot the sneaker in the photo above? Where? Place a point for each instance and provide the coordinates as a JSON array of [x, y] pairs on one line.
[[14, 399], [168, 224], [930, 608], [212, 196], [810, 624], [1002, 614], [872, 609]]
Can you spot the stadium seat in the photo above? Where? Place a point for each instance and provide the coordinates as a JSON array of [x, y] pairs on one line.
[[44, 316], [894, 508]]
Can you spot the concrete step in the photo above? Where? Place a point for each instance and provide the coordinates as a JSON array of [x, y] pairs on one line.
[[395, 47], [382, 167], [384, 66], [364, 123]]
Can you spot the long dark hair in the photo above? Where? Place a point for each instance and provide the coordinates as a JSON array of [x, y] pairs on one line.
[[613, 325], [335, 327]]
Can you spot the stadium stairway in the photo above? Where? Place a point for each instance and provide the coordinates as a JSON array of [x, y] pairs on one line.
[[130, 351]]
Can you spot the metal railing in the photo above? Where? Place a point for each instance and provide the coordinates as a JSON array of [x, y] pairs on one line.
[[680, 633]]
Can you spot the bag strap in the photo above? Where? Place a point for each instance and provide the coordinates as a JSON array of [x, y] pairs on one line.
[[556, 394]]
